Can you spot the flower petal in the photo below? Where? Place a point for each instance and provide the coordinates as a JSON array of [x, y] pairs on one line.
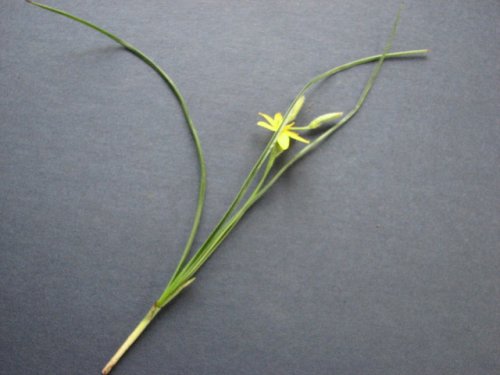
[[278, 119], [297, 137], [266, 125], [283, 141], [269, 119]]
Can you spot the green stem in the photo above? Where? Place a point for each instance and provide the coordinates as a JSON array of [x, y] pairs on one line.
[[270, 163], [209, 247], [185, 111], [234, 204]]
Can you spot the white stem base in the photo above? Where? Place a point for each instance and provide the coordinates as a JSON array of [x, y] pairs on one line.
[[131, 339]]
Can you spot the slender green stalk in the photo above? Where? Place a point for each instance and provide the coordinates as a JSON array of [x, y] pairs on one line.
[[225, 218], [208, 249], [185, 111]]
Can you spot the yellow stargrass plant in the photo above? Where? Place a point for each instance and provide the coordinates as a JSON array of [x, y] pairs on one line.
[[262, 176]]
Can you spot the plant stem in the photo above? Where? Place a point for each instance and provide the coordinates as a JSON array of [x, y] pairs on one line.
[[131, 338], [185, 110], [148, 318], [221, 233]]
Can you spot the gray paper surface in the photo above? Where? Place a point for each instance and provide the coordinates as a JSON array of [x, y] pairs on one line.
[[376, 254]]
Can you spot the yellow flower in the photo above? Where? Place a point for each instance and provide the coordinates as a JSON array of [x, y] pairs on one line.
[[273, 124]]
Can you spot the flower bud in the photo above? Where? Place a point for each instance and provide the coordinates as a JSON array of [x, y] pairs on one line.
[[323, 119], [296, 108]]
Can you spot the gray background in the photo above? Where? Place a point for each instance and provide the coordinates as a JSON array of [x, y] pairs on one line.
[[378, 254]]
